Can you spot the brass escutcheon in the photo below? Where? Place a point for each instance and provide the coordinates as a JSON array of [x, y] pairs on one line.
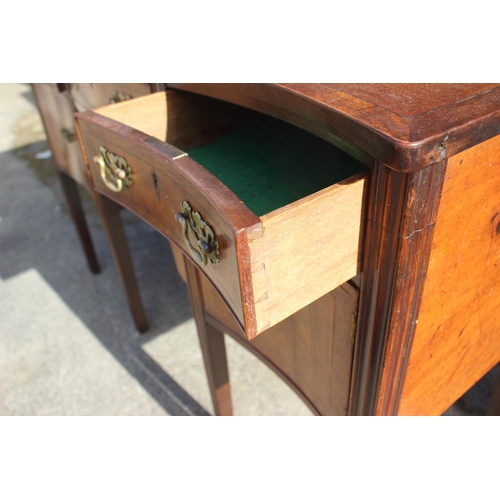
[[117, 96], [115, 167], [69, 135], [201, 232]]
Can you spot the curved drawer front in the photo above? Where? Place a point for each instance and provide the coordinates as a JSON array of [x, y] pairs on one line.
[[158, 188], [265, 268]]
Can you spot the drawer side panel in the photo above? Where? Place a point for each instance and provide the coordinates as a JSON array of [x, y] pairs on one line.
[[308, 249]]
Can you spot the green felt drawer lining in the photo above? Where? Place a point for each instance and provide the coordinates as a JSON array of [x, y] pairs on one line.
[[268, 163]]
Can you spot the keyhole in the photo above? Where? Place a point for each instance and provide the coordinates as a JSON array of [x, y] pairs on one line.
[[155, 182]]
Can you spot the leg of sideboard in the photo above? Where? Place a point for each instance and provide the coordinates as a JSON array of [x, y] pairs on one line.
[[110, 216], [494, 405], [214, 352], [212, 346], [74, 203]]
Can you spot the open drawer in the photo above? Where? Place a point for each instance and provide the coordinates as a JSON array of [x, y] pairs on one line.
[[273, 218]]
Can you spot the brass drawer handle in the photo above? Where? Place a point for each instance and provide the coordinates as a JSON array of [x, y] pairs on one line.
[[117, 96], [201, 232], [116, 168]]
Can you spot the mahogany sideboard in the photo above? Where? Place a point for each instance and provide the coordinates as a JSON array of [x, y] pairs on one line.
[[372, 290]]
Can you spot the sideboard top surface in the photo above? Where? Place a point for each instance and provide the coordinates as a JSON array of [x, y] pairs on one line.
[[410, 100], [406, 126]]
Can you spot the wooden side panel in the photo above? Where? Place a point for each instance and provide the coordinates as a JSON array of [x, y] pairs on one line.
[[313, 348], [182, 119], [56, 111], [313, 243], [147, 114], [457, 337]]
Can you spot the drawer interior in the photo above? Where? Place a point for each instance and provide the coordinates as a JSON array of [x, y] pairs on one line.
[[266, 162], [269, 164]]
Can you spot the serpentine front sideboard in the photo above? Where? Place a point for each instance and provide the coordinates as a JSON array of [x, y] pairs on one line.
[[348, 235]]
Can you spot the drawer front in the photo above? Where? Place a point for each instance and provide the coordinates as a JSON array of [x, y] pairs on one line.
[[156, 192], [93, 95]]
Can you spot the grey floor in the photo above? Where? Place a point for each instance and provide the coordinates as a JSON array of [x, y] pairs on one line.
[[67, 342]]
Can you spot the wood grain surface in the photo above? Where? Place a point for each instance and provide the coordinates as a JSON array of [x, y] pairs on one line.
[[314, 243], [400, 220], [147, 114], [456, 341], [411, 99]]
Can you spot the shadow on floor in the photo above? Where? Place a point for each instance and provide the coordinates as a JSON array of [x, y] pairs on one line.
[[37, 233]]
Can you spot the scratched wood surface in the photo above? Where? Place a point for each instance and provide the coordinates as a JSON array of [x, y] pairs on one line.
[[456, 341]]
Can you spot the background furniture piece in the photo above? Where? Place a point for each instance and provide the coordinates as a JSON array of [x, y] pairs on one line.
[[56, 104], [494, 404], [425, 326]]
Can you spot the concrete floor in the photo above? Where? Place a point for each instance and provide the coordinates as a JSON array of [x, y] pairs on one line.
[[67, 342]]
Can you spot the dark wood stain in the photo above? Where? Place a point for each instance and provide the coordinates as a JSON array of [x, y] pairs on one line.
[[401, 215], [411, 99]]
